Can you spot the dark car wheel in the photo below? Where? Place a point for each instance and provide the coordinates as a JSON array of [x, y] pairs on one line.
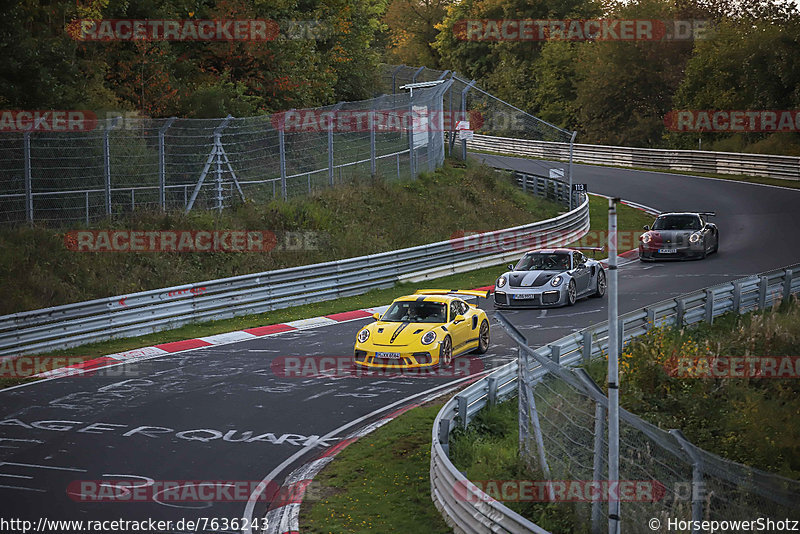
[[483, 338], [572, 293], [445, 353], [601, 284]]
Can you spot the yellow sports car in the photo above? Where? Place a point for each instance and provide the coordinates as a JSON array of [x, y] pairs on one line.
[[425, 329]]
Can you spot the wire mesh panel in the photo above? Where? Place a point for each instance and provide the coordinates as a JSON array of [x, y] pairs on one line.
[[563, 439], [127, 164]]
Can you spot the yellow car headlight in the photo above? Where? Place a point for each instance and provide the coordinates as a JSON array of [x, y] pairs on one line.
[[428, 338], [363, 335]]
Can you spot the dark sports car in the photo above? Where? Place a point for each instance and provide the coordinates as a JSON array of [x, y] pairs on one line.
[[552, 277], [679, 236]]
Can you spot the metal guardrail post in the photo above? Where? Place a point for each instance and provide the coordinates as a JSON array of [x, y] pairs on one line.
[[26, 143], [444, 435], [697, 479], [162, 164], [491, 393], [555, 353], [650, 318], [709, 306], [762, 292], [107, 160], [680, 310], [737, 297], [586, 348], [462, 411], [787, 285]]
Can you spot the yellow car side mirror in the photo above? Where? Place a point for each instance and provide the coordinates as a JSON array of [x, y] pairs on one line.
[[459, 318], [376, 316]]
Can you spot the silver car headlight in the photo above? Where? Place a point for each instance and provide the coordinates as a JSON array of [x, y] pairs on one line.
[[695, 238], [646, 238], [363, 336], [501, 281], [556, 281], [428, 338]]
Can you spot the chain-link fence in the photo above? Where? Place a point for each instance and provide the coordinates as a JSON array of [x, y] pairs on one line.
[[486, 114], [563, 438], [125, 164]]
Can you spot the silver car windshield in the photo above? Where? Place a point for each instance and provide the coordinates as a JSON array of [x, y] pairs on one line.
[[544, 261], [413, 311], [677, 222]]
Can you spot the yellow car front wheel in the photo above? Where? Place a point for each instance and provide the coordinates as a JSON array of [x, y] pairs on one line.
[[483, 338], [445, 353]]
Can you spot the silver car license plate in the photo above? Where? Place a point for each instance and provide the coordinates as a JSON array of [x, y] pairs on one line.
[[524, 296], [667, 250], [390, 355]]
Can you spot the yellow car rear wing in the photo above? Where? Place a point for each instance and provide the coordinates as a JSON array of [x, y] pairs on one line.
[[468, 292]]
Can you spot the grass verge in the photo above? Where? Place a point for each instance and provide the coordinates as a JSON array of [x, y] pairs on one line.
[[380, 483]]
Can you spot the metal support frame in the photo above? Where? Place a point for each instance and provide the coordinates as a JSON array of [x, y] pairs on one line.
[[614, 339], [762, 292], [414, 78], [26, 142], [107, 160], [162, 164], [697, 479], [709, 306], [219, 158], [282, 156], [787, 285]]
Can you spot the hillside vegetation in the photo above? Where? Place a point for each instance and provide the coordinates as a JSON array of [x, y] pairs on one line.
[[365, 217]]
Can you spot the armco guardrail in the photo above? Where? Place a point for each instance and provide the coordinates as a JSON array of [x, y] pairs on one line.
[[482, 514], [161, 309], [784, 167]]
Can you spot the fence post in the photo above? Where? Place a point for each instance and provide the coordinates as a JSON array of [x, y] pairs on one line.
[[372, 162], [555, 353], [330, 143], [282, 152], [26, 142], [444, 435], [569, 167], [394, 77], [107, 160], [650, 317], [523, 381], [709, 307], [599, 431], [762, 293], [680, 309], [787, 285], [162, 164], [463, 116], [697, 479], [524, 182], [414, 78]]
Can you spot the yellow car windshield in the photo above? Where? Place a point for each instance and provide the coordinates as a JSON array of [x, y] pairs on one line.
[[413, 311]]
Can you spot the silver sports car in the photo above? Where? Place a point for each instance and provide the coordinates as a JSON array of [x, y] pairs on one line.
[[552, 277], [679, 236]]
